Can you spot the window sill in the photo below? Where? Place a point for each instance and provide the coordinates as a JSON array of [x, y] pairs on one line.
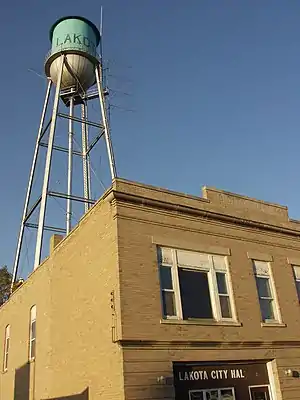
[[273, 324], [199, 322]]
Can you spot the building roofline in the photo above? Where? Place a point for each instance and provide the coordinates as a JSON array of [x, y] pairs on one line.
[[243, 197], [149, 195], [205, 214], [201, 198]]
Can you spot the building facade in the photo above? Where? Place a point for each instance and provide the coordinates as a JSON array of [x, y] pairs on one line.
[[160, 295]]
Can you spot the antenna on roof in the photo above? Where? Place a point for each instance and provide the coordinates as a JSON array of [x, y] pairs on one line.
[[104, 78], [101, 32]]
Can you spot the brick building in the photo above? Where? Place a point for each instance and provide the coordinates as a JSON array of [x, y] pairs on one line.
[[160, 295]]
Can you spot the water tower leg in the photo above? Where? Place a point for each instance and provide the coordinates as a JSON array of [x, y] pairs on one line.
[[40, 231], [70, 167], [111, 159], [30, 183], [85, 157], [88, 161]]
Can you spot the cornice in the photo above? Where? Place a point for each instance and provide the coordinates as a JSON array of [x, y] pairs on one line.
[[187, 344], [196, 212]]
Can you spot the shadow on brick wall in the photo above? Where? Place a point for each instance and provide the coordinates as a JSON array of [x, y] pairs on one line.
[[81, 396], [22, 383], [22, 387]]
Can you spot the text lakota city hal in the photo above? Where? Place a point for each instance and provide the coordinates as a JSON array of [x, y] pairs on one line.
[[214, 374]]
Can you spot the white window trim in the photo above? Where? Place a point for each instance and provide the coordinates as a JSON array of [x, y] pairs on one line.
[[259, 386], [6, 347], [168, 265], [230, 293], [276, 309], [31, 339], [176, 284], [212, 285], [213, 290], [273, 379], [296, 279]]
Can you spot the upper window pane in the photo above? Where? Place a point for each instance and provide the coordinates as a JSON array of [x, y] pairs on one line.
[[263, 287], [192, 259], [221, 281], [164, 255], [195, 296], [261, 268], [166, 278], [298, 289], [296, 269], [33, 330], [33, 313], [7, 331], [6, 347], [219, 263], [6, 354]]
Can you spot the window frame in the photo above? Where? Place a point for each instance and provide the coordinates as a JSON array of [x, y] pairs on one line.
[[211, 271], [275, 304], [204, 392], [31, 338], [225, 295], [6, 347], [294, 266], [167, 265]]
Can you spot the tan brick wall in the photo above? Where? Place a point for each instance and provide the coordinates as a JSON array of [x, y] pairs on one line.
[[16, 312], [72, 292], [142, 367], [85, 272]]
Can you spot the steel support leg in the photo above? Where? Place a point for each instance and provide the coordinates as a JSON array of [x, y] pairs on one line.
[[85, 158], [39, 239], [70, 167], [111, 159], [30, 184]]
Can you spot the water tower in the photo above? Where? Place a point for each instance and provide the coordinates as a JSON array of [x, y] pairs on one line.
[[75, 78]]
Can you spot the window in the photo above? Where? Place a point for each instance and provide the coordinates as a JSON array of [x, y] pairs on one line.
[[194, 286], [32, 333], [296, 269], [212, 394], [6, 347], [168, 295], [266, 292]]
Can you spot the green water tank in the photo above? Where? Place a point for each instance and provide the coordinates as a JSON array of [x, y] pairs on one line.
[[77, 38]]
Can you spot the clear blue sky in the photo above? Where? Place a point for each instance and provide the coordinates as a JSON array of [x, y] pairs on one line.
[[215, 89]]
